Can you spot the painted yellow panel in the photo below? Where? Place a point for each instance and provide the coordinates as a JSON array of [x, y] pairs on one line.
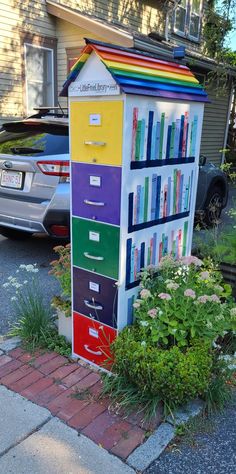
[[96, 132]]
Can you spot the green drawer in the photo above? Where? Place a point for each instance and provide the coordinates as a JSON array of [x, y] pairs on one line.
[[96, 246]]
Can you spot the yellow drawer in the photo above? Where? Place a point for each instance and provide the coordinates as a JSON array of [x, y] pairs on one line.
[[96, 132]]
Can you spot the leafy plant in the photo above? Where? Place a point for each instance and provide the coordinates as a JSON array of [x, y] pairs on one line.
[[169, 354], [61, 269], [51, 340], [33, 315], [179, 303]]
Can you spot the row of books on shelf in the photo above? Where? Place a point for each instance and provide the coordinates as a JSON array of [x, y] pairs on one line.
[[158, 140], [140, 256], [156, 200]]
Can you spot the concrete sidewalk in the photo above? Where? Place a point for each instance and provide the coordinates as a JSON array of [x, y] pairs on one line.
[[34, 441]]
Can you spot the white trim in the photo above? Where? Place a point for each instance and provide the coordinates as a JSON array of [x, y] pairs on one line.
[[227, 122], [38, 81]]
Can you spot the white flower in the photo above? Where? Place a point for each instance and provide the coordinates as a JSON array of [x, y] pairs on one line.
[[13, 298], [25, 282], [143, 323], [233, 311], [209, 325], [5, 285], [143, 343]]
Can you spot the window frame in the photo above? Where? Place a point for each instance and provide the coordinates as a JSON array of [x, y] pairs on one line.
[[186, 34], [38, 81], [49, 43]]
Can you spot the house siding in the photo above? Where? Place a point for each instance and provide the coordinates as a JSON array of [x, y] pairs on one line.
[[69, 36], [143, 17], [17, 18], [214, 125]]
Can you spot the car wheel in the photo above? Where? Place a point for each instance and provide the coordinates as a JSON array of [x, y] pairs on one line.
[[14, 234], [213, 206]]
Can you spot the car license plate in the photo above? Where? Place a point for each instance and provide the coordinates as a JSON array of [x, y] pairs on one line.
[[11, 179]]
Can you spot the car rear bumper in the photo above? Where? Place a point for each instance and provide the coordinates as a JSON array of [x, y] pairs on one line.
[[21, 224], [35, 217]]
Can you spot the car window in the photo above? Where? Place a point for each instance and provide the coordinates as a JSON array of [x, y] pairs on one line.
[[43, 143]]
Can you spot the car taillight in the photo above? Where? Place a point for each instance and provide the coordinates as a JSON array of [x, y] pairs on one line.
[[55, 168]]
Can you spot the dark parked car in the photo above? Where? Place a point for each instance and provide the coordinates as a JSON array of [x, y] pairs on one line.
[[212, 192], [34, 178]]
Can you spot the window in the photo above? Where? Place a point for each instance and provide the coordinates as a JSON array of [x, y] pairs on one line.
[[187, 19], [39, 76], [72, 55]]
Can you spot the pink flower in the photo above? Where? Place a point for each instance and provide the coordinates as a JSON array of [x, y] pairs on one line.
[[191, 260], [164, 296], [172, 286], [190, 293], [152, 313], [145, 294], [136, 305], [204, 276], [214, 298], [203, 299]]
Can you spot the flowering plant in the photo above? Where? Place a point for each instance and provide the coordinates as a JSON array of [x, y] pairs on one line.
[[181, 301], [33, 316], [61, 269]]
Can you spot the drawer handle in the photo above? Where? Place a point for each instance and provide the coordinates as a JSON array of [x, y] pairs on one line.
[[97, 353], [94, 143], [93, 257], [94, 203], [87, 303]]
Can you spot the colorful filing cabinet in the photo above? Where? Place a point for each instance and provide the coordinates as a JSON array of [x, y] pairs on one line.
[[135, 131]]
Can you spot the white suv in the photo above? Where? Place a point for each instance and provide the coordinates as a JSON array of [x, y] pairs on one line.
[[34, 176]]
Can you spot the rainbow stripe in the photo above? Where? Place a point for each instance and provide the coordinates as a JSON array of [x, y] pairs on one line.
[[137, 73]]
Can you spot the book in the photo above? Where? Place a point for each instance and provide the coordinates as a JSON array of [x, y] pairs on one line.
[[153, 145], [174, 191], [141, 214], [130, 312], [149, 135], [158, 199], [181, 136], [134, 129], [142, 139], [138, 203], [153, 196], [181, 192], [154, 253], [168, 142], [146, 194], [157, 147], [165, 201], [184, 134], [185, 238], [176, 138], [172, 140], [138, 139], [180, 242], [132, 264], [168, 211], [128, 260], [142, 257], [162, 135]]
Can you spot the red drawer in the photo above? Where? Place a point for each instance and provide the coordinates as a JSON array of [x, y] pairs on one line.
[[92, 339]]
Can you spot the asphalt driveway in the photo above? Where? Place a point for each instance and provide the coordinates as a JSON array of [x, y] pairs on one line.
[[210, 452]]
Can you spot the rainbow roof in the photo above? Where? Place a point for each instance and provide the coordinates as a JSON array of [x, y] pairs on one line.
[[137, 72]]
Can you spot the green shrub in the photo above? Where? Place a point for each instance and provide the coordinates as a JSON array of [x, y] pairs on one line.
[[61, 269], [171, 375]]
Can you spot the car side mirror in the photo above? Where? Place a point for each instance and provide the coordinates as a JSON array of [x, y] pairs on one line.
[[202, 160]]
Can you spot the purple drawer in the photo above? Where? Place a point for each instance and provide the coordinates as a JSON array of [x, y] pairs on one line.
[[95, 296], [96, 192]]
